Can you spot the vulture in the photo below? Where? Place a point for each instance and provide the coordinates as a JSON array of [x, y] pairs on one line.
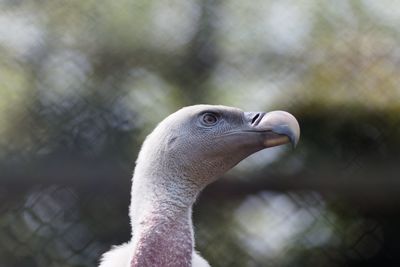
[[188, 150]]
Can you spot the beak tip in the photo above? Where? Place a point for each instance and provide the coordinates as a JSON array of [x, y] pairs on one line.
[[284, 123], [294, 143], [294, 138]]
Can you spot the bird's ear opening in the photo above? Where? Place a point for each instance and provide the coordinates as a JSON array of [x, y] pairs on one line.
[[172, 140]]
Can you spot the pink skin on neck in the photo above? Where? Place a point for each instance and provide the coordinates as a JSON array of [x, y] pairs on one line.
[[163, 242]]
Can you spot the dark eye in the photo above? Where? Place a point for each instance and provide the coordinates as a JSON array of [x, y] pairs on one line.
[[209, 119]]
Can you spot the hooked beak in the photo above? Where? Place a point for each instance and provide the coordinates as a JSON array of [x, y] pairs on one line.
[[280, 127]]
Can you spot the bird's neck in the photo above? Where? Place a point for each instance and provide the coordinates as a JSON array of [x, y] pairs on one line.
[[163, 241], [161, 222]]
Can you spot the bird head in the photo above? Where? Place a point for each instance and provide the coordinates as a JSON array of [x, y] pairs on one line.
[[202, 142]]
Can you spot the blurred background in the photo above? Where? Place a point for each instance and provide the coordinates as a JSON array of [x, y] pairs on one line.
[[83, 82]]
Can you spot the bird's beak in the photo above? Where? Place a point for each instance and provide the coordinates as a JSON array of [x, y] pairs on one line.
[[280, 128]]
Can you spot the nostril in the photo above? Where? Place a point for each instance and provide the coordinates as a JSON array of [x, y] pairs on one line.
[[255, 118]]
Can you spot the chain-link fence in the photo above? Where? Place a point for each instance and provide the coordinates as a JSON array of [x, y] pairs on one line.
[[83, 82]]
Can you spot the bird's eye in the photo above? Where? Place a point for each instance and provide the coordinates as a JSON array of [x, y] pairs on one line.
[[209, 119]]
